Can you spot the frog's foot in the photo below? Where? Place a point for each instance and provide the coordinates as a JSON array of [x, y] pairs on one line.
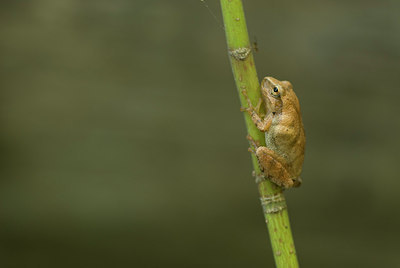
[[273, 168], [262, 121], [253, 144], [250, 109], [297, 182], [258, 177]]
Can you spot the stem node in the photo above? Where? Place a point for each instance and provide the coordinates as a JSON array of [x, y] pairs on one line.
[[240, 53]]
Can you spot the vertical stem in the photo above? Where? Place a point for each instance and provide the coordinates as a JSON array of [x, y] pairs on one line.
[[245, 75]]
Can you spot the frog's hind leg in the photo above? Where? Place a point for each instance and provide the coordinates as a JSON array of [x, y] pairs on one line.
[[273, 167]]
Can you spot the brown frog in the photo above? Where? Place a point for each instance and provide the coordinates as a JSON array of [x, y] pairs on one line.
[[282, 158]]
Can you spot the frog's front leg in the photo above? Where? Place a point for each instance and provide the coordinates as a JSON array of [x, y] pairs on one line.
[[263, 124]]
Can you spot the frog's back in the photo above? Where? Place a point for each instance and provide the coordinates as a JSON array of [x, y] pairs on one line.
[[287, 138]]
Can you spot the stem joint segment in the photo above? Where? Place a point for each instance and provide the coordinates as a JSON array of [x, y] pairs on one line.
[[240, 53], [273, 203]]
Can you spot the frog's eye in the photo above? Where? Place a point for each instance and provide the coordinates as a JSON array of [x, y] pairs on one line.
[[275, 91]]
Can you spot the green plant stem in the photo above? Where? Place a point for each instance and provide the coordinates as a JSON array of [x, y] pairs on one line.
[[245, 75]]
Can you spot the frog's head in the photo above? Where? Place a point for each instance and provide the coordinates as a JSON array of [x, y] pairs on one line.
[[276, 93]]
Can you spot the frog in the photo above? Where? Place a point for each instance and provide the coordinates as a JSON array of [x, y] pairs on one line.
[[281, 160]]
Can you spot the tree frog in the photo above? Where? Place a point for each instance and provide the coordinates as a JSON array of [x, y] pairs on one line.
[[282, 158]]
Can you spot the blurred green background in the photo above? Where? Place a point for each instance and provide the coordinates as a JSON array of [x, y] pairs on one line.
[[122, 143]]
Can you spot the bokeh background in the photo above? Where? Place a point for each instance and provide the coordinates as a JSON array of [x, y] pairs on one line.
[[122, 143]]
